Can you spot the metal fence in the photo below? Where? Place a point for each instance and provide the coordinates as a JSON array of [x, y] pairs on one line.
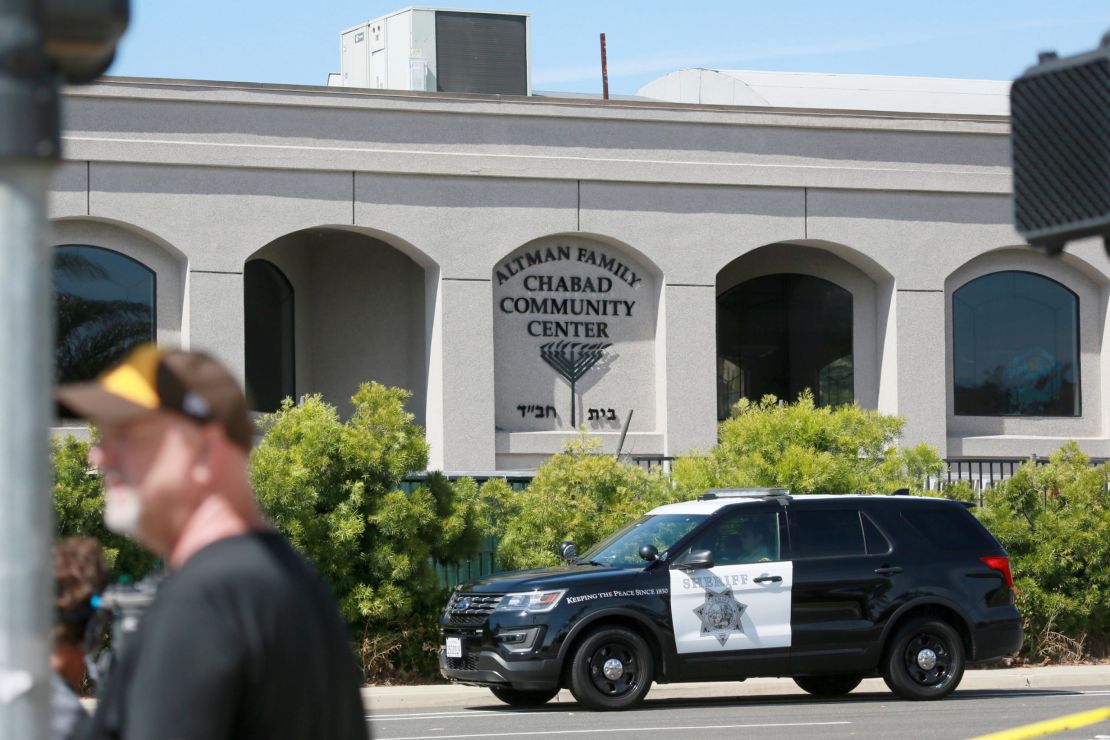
[[986, 473], [652, 462], [484, 562], [981, 473]]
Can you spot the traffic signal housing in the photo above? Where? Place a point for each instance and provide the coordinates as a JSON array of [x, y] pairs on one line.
[[1060, 129]]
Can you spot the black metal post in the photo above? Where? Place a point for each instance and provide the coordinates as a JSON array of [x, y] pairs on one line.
[[573, 404]]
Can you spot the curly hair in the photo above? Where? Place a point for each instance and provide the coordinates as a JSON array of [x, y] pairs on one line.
[[80, 571]]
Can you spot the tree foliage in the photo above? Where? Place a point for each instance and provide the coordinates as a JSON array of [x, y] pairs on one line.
[[333, 488], [578, 495], [808, 449], [78, 497], [1054, 520]]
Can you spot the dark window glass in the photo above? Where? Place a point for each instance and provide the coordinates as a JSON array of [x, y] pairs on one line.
[[1015, 338], [103, 305], [747, 537], [877, 543], [268, 316], [824, 533], [948, 527], [781, 334]]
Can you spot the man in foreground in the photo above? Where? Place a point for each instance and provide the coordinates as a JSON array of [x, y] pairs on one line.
[[243, 639]]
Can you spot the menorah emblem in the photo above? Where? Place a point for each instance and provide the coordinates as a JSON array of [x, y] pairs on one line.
[[572, 360]]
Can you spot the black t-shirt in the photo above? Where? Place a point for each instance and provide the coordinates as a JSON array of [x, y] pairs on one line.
[[243, 642]]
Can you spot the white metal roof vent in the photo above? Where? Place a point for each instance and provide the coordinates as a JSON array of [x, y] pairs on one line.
[[439, 50]]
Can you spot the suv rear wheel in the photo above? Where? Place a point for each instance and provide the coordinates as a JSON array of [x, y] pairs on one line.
[[611, 669], [828, 686], [522, 698], [924, 659]]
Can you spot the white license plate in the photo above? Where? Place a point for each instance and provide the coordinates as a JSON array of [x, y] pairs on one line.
[[454, 647]]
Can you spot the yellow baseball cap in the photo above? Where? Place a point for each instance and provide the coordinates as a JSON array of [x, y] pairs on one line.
[[150, 379]]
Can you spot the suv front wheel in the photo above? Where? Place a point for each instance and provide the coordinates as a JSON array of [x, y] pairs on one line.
[[924, 660], [611, 669]]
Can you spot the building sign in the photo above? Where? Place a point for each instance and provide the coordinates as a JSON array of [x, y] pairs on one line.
[[574, 324]]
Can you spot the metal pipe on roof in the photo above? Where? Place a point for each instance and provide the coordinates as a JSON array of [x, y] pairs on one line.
[[604, 71]]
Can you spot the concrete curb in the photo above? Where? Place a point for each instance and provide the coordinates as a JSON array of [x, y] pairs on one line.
[[389, 698]]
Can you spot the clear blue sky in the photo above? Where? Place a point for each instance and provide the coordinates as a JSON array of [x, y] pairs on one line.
[[297, 41]]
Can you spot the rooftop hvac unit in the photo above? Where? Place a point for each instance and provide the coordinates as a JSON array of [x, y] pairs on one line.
[[429, 49]]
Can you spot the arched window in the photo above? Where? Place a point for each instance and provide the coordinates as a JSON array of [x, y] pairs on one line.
[[104, 306], [781, 334], [1015, 339], [268, 312]]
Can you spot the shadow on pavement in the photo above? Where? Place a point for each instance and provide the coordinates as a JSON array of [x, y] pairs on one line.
[[740, 700]]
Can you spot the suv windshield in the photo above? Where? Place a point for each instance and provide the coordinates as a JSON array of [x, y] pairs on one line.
[[661, 530]]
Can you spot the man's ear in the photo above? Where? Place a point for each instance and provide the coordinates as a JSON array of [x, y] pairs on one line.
[[207, 454]]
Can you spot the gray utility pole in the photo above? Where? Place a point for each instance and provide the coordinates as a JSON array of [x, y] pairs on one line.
[[42, 43]]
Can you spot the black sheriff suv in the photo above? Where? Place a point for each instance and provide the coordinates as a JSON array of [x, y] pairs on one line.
[[750, 582]]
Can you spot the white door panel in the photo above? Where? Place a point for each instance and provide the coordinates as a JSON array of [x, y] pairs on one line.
[[725, 608]]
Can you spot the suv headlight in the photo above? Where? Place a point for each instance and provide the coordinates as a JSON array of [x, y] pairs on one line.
[[533, 602]]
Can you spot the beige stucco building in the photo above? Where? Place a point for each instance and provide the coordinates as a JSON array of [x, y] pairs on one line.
[[482, 251]]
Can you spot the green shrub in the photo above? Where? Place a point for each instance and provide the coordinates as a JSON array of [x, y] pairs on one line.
[[78, 496], [957, 490], [1054, 520], [577, 495], [331, 487], [808, 449]]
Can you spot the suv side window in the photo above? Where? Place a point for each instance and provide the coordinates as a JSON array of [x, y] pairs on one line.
[[822, 533], [948, 527], [877, 543], [743, 537]]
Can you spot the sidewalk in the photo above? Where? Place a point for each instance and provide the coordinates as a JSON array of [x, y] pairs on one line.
[[389, 698]]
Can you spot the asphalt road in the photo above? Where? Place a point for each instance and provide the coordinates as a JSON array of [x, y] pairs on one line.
[[866, 714]]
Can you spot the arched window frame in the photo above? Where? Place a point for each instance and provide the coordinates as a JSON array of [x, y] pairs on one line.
[[276, 274], [1076, 358], [790, 274], [118, 254]]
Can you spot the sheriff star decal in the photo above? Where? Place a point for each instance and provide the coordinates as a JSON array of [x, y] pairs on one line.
[[720, 614]]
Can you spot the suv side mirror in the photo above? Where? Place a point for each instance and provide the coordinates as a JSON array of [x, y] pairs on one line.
[[695, 560], [649, 553], [567, 551]]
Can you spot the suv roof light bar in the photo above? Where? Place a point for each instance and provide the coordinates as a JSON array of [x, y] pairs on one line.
[[716, 493]]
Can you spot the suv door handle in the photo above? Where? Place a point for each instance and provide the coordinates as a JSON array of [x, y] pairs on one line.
[[772, 579], [888, 570]]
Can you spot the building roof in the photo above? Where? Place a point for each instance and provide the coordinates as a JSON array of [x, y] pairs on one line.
[[831, 91]]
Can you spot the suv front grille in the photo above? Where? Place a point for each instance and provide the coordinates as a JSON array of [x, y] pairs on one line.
[[469, 663], [471, 609]]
